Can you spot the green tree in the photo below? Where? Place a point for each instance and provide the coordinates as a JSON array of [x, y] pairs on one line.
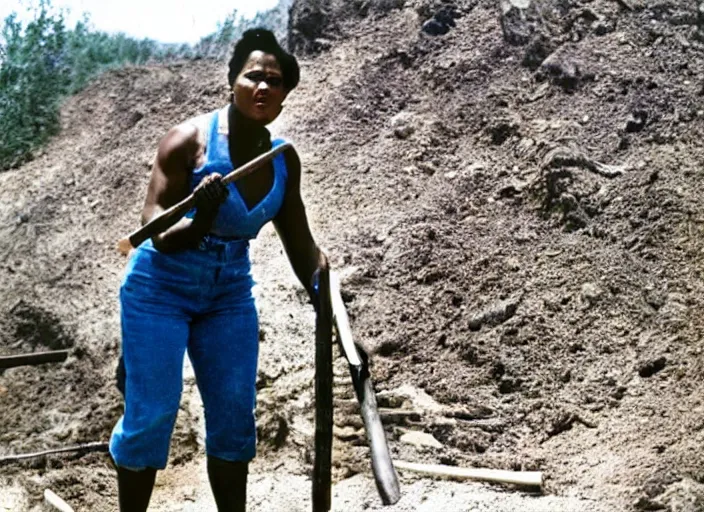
[[44, 61]]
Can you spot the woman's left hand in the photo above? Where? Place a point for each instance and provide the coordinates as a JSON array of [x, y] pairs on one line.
[[210, 193], [315, 279]]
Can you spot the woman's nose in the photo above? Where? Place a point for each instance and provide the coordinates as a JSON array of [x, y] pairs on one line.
[[262, 85]]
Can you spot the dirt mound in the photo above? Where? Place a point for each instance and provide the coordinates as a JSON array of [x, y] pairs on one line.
[[523, 216], [511, 193]]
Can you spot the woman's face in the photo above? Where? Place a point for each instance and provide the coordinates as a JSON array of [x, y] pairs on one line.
[[259, 89]]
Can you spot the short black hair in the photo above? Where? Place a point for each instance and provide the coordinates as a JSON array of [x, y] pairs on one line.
[[263, 40]]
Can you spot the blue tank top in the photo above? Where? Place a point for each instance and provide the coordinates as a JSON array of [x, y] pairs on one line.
[[235, 219]]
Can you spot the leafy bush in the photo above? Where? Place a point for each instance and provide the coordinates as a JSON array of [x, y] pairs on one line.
[[42, 62]]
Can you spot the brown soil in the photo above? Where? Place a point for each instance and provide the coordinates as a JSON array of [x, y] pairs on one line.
[[550, 305]]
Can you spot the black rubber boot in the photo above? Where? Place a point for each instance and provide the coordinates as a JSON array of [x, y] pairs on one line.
[[228, 480], [135, 488]]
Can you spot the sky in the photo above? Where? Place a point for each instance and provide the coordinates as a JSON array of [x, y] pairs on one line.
[[168, 21]]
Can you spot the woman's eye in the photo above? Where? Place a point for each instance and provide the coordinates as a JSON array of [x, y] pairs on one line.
[[256, 76], [260, 76]]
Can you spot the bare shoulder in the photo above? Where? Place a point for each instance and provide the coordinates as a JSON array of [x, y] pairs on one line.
[[194, 130], [201, 124], [293, 164], [185, 142]]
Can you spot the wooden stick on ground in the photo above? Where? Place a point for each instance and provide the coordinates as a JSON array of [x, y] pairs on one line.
[[171, 216], [86, 448], [52, 499], [527, 478], [55, 356]]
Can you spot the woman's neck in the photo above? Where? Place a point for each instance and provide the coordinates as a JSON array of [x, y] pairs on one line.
[[245, 133]]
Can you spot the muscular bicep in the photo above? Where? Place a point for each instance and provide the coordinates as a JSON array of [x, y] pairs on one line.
[[171, 170]]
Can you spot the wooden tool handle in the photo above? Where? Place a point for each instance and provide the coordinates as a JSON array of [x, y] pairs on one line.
[[384, 473], [171, 216], [527, 478], [342, 322], [322, 479], [157, 225]]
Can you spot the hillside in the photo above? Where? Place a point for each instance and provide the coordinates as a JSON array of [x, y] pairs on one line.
[[514, 207]]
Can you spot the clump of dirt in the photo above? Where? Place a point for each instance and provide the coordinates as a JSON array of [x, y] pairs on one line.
[[34, 326]]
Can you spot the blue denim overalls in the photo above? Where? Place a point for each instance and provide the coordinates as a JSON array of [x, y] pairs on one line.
[[198, 300]]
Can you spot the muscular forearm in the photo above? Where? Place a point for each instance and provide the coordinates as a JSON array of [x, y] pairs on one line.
[[305, 263], [185, 234]]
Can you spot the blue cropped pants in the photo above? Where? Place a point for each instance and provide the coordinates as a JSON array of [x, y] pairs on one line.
[[198, 301]]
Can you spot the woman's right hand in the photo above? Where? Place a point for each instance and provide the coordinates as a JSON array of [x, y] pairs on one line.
[[210, 193]]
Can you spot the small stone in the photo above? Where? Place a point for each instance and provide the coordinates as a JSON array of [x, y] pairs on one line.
[[650, 367], [509, 385], [404, 132], [602, 28], [645, 503], [136, 117], [401, 125], [513, 264], [636, 122], [420, 439], [591, 293], [520, 4], [322, 44], [619, 392], [427, 168], [576, 347], [347, 433], [435, 28], [511, 189]]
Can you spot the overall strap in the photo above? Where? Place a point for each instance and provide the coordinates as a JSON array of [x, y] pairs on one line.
[[212, 136]]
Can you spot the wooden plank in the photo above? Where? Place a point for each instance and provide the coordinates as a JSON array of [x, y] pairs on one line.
[[55, 356], [322, 480], [527, 478]]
